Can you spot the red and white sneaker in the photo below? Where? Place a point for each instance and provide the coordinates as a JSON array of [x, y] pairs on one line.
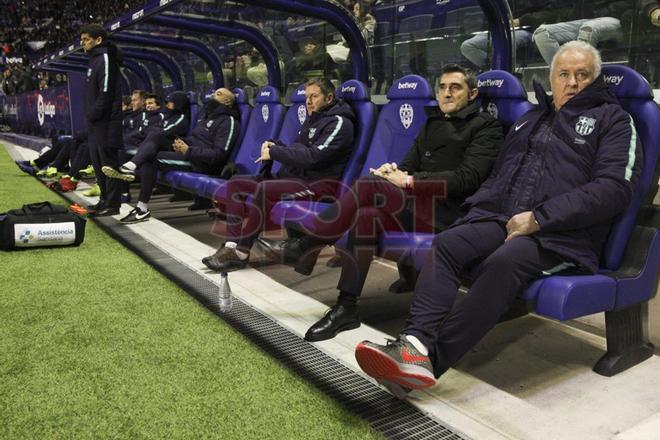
[[399, 366]]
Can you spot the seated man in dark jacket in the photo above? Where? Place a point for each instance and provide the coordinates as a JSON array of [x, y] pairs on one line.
[[567, 168], [452, 155], [312, 167], [206, 151]]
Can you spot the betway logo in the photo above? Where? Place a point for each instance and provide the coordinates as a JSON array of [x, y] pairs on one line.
[[266, 93], [349, 89], [614, 80], [490, 83], [407, 85], [301, 92], [138, 14]]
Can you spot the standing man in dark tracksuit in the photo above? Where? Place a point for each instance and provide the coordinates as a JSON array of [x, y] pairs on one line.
[[104, 116], [566, 169]]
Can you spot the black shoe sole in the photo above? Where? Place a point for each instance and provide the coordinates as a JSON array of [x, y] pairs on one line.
[[324, 337]]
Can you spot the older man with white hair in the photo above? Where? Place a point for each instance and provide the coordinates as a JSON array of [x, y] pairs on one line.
[[567, 168]]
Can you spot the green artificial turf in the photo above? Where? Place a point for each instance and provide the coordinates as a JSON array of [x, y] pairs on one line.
[[94, 343]]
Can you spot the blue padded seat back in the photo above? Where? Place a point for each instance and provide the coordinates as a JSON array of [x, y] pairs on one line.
[[293, 120], [356, 94], [244, 108], [264, 123], [502, 95], [399, 121], [194, 110], [635, 96], [208, 95]]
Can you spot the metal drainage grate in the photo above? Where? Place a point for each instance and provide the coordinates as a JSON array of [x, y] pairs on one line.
[[393, 418]]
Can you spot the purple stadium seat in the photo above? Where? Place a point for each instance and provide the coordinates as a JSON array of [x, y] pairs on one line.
[[244, 109], [194, 110], [293, 120]]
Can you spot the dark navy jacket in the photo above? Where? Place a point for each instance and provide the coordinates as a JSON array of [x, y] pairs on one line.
[[102, 87], [140, 125], [176, 122], [575, 168], [213, 138], [322, 147]]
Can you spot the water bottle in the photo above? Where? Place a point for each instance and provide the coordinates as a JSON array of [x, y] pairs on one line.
[[225, 300]]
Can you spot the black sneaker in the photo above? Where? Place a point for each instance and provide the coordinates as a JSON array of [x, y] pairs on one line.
[[136, 216]]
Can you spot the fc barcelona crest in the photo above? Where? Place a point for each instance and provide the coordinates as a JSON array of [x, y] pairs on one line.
[[585, 125], [406, 115]]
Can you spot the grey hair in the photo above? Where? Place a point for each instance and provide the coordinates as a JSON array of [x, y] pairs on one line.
[[579, 46]]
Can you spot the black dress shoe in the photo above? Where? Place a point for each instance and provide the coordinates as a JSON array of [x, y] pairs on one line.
[[91, 209], [104, 212], [401, 286], [272, 248], [301, 253], [339, 318]]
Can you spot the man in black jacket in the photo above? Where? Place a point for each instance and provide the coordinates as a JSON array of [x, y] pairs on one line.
[[104, 116], [312, 167], [206, 151], [450, 158]]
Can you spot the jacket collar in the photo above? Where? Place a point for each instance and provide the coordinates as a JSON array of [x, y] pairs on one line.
[[464, 113], [593, 95]]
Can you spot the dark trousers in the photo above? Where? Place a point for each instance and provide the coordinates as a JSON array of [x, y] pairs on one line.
[[52, 154], [503, 269], [145, 159], [264, 195], [79, 158], [148, 171], [374, 205], [102, 153]]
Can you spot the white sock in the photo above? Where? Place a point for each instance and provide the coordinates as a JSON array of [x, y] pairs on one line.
[[130, 165], [142, 207], [233, 245], [417, 344]]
